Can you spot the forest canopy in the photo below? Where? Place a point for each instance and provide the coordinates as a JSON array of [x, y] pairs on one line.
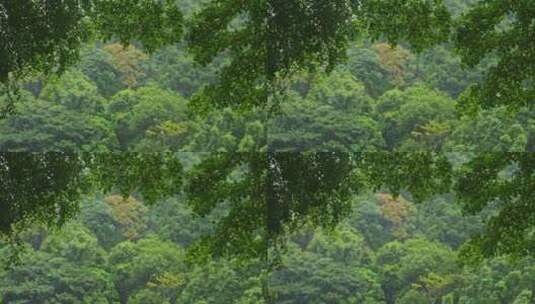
[[261, 146], [266, 40]]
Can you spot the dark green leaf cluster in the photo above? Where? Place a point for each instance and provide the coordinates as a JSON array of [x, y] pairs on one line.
[[45, 36]]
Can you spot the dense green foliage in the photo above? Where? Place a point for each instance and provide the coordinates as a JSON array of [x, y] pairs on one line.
[[388, 250], [278, 152], [265, 41], [132, 109]]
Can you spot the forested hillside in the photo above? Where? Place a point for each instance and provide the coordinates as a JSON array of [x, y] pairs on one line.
[[387, 251], [382, 99], [215, 155]]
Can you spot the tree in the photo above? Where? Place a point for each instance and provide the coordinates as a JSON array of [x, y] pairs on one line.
[[505, 179], [441, 219], [32, 40], [135, 112], [224, 281], [97, 65], [73, 91], [411, 262], [65, 118], [172, 220], [498, 280], [48, 186], [524, 297], [413, 296], [173, 68], [494, 130], [76, 244], [262, 48], [38, 196], [364, 64], [127, 61], [394, 60], [114, 219], [343, 245], [291, 35], [324, 275], [135, 265], [368, 219], [317, 193], [229, 132], [264, 35], [403, 112], [261, 56], [97, 216], [335, 115], [503, 29], [440, 68], [129, 215], [67, 269]]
